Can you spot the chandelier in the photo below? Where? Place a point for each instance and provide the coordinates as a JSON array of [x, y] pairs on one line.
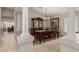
[[45, 9], [46, 13]]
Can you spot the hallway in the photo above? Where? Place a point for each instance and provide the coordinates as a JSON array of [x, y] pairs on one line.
[[8, 42]]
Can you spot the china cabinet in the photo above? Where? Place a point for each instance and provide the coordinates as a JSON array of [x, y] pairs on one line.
[[37, 23]]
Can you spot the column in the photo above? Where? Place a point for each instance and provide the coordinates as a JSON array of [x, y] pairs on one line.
[[26, 40], [18, 20], [0, 19], [1, 25], [68, 42], [15, 20], [0, 22], [71, 33], [78, 23]]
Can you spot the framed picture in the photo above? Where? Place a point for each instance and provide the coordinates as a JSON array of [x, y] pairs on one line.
[[54, 23]]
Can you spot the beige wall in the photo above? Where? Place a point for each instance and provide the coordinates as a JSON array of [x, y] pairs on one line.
[[62, 23]]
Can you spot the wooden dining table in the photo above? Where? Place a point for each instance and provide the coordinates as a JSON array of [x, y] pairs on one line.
[[45, 35]]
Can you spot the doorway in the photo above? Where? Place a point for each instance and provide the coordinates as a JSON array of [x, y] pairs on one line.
[[9, 28]]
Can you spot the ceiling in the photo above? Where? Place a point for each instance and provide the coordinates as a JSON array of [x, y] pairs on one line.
[[50, 10], [7, 13], [19, 9]]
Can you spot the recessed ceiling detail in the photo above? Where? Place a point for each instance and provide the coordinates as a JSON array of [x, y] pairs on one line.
[[51, 10]]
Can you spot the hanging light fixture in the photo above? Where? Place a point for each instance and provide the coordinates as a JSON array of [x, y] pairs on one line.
[[46, 13], [45, 9]]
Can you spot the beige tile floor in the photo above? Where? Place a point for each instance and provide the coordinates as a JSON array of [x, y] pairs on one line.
[[51, 46], [7, 42]]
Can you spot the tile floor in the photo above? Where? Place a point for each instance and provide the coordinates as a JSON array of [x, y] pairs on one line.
[[51, 46], [7, 42]]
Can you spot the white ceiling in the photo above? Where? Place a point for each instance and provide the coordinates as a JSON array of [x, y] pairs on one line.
[[8, 13], [51, 10], [19, 9]]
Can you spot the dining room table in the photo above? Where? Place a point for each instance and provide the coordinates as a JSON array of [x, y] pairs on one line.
[[45, 35]]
